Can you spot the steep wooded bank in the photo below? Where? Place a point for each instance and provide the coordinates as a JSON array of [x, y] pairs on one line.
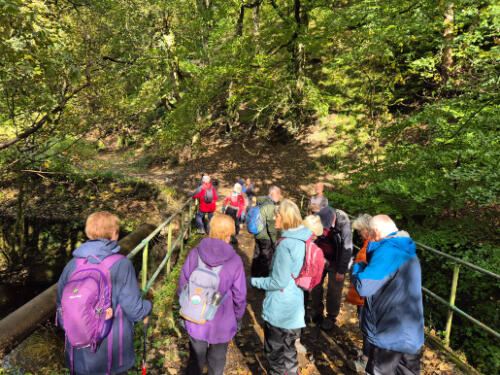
[[403, 94]]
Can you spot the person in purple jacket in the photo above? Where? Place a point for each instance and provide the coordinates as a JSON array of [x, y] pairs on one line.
[[208, 342]]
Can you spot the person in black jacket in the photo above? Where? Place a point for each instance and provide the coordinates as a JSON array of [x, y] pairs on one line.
[[336, 243]]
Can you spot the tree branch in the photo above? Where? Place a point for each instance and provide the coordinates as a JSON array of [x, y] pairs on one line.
[[109, 58], [44, 119], [280, 13]]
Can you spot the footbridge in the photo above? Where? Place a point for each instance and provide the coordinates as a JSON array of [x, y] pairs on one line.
[[159, 252]]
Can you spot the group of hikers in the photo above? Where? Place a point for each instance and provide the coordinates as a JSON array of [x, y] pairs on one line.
[[292, 258]]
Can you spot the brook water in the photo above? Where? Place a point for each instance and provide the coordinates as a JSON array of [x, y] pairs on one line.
[[32, 256]]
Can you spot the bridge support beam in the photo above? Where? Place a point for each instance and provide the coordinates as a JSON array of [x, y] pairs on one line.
[[20, 323]]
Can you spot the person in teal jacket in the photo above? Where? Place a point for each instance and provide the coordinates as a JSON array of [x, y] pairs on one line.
[[283, 308]]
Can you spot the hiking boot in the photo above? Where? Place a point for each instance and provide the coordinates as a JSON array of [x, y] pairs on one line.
[[328, 324], [317, 319], [200, 231]]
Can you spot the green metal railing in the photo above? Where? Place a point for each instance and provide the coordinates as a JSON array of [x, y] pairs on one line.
[[185, 228], [450, 304]]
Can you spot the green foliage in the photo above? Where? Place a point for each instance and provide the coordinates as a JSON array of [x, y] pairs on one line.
[[415, 135]]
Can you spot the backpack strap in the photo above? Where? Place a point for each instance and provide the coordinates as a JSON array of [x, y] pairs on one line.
[[110, 260], [107, 262], [110, 350]]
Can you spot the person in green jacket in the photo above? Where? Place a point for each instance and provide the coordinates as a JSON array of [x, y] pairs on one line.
[[265, 241], [283, 307]]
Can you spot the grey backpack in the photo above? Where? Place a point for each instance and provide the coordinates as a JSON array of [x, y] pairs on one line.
[[209, 195], [200, 298]]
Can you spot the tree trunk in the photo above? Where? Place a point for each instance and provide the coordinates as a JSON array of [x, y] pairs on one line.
[[256, 28], [299, 57], [205, 10], [448, 36], [19, 226]]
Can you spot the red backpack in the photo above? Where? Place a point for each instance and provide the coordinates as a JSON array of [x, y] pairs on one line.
[[311, 272]]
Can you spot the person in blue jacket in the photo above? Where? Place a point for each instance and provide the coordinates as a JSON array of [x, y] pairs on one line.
[[102, 229], [283, 307], [392, 318]]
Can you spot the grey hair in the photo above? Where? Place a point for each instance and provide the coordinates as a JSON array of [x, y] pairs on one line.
[[361, 222], [273, 188], [383, 224], [206, 178]]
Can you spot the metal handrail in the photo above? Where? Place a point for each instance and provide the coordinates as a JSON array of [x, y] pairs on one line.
[[144, 245], [458, 260]]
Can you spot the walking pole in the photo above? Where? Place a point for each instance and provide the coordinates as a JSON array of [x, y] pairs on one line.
[[145, 326]]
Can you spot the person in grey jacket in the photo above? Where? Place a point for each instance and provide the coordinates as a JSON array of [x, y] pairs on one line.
[[336, 243], [319, 200]]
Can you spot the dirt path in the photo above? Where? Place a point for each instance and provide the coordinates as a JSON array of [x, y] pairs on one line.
[[331, 353], [291, 168]]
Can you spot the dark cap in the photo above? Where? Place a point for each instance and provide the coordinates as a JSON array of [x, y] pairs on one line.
[[327, 215]]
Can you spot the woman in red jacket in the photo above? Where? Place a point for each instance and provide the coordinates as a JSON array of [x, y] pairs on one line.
[[207, 197], [235, 206]]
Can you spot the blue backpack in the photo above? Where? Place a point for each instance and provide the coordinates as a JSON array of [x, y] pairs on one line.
[[255, 223]]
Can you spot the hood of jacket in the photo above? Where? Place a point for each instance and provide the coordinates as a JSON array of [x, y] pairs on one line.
[[301, 233], [214, 252], [399, 241], [100, 248], [393, 251]]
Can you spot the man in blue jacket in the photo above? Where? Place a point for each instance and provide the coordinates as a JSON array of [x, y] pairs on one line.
[[392, 318]]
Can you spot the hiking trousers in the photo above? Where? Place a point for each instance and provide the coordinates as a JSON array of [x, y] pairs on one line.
[[279, 346], [388, 362], [333, 295], [200, 218], [234, 214], [201, 352], [262, 256]]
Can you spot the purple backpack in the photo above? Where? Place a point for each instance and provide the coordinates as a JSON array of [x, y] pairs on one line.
[[86, 313]]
